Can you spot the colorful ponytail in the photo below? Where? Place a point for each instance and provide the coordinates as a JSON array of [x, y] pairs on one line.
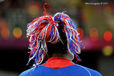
[[45, 29]]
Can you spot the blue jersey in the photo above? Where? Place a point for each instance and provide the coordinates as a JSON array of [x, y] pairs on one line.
[[70, 70]]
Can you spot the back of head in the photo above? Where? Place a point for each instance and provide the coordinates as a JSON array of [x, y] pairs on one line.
[[52, 35], [59, 48]]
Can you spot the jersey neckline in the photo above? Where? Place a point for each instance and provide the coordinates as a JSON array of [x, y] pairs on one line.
[[57, 62]]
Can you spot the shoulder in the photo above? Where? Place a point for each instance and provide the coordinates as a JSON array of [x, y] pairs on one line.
[[26, 72], [90, 71], [33, 71], [94, 72], [29, 71]]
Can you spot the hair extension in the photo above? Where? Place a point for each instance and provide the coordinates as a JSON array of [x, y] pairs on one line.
[[46, 29]]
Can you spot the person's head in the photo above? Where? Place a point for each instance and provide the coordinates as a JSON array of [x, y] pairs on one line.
[[52, 36]]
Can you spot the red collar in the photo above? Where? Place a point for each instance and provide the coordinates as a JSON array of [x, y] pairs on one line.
[[58, 62]]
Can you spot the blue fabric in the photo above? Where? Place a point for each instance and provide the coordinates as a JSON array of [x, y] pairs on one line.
[[72, 70]]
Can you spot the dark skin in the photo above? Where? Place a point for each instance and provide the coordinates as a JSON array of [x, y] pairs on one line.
[[60, 48], [67, 55]]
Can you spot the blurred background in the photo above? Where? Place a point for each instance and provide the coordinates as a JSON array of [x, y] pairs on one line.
[[95, 20]]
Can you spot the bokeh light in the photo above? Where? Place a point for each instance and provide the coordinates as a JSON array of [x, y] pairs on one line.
[[108, 36], [81, 32], [5, 32], [33, 8], [108, 10], [93, 34], [107, 50], [17, 32]]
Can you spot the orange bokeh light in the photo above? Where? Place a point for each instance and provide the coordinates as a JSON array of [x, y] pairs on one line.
[[33, 8], [17, 33], [93, 34], [5, 32]]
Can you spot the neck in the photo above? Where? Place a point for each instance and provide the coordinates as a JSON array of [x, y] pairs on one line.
[[68, 55]]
